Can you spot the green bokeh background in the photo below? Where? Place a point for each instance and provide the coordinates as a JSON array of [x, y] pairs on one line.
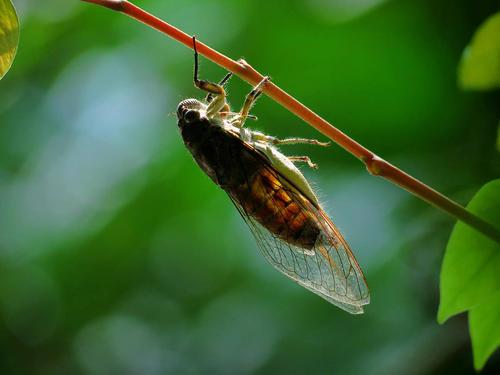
[[118, 256]]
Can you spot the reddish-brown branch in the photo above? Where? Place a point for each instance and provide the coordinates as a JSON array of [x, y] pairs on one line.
[[375, 165]]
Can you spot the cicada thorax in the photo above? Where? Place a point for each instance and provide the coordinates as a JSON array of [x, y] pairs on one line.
[[285, 215]]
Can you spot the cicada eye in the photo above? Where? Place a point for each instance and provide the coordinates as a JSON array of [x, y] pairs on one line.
[[191, 116]]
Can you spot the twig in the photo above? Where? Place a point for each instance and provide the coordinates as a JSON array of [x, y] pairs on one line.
[[374, 164]]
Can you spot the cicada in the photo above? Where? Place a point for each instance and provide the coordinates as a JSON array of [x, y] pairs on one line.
[[291, 228]]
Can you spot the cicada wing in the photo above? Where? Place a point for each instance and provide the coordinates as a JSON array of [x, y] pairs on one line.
[[328, 269]]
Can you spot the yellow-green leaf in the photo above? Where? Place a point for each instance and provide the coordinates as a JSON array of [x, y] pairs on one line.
[[480, 65], [470, 274], [9, 35], [484, 326]]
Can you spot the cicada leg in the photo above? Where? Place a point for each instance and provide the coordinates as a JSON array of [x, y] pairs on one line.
[[218, 102], [252, 96], [294, 141], [261, 137], [303, 159], [222, 83]]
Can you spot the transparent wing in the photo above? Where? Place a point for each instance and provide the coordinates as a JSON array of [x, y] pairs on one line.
[[328, 269]]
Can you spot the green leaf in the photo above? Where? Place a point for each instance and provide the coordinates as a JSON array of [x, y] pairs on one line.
[[470, 272], [480, 65], [484, 326], [9, 35]]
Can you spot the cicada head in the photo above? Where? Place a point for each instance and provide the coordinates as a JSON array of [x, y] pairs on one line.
[[189, 111]]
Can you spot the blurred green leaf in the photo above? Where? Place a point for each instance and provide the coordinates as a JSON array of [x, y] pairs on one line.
[[470, 272], [484, 325], [480, 65], [9, 35]]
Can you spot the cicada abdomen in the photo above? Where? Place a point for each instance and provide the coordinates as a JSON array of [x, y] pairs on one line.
[[284, 215]]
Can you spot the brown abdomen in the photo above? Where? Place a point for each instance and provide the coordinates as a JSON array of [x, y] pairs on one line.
[[283, 214]]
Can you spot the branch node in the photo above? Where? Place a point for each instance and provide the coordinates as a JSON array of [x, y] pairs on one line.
[[375, 165], [249, 71], [243, 63]]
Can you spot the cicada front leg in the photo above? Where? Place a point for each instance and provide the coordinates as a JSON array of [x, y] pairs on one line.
[[252, 96], [222, 83], [216, 92]]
